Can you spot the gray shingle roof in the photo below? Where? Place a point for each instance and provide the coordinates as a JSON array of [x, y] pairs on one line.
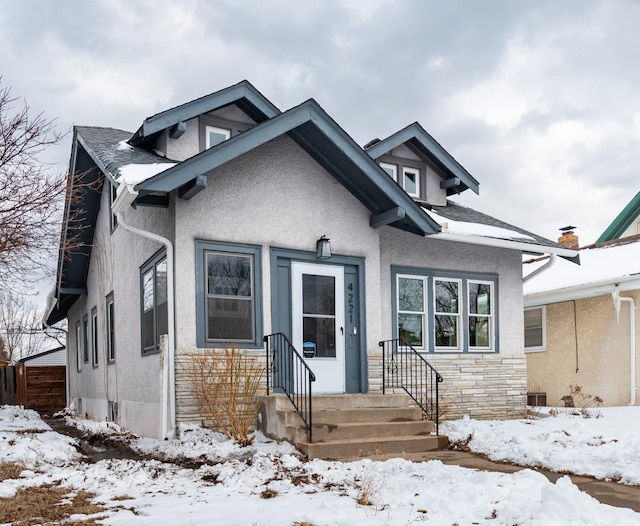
[[457, 212], [109, 149]]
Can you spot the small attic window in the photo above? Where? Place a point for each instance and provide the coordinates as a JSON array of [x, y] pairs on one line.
[[408, 177], [391, 169], [215, 135], [411, 181]]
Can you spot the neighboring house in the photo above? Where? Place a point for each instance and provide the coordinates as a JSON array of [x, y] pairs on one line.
[[581, 325], [626, 224], [207, 219]]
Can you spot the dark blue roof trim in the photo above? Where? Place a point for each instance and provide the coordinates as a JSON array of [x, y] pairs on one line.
[[418, 137], [244, 95], [310, 126]]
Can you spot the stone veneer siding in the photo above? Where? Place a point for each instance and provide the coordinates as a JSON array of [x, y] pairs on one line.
[[187, 409], [482, 386]]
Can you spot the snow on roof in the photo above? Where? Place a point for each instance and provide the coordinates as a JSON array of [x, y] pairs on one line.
[[598, 266], [132, 174], [477, 229]]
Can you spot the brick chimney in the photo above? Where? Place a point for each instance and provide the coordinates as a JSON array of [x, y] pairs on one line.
[[568, 238]]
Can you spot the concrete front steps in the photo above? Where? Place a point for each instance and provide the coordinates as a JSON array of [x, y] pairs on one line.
[[347, 427]]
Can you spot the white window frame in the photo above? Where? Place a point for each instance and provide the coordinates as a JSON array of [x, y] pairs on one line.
[[543, 314], [416, 173], [457, 315], [423, 313], [216, 129], [490, 316], [393, 168]]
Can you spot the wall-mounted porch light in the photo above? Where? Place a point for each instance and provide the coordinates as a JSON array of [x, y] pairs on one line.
[[323, 248]]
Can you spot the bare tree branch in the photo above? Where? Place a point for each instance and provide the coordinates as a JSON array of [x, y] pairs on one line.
[[30, 196]]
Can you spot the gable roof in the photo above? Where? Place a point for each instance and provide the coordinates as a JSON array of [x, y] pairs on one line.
[[420, 140], [112, 152], [61, 350], [244, 95], [604, 268], [622, 221], [321, 137]]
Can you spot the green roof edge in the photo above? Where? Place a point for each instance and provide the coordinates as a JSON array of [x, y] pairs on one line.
[[622, 221]]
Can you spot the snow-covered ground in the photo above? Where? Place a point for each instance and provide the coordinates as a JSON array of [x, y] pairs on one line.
[[268, 484], [603, 443]]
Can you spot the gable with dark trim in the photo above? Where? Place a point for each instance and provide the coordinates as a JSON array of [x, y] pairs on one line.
[[244, 95], [319, 135], [458, 179]]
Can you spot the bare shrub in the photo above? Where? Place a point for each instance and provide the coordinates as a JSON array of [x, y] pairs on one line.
[[367, 487], [224, 384]]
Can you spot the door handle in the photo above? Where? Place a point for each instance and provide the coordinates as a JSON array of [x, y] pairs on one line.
[[342, 331]]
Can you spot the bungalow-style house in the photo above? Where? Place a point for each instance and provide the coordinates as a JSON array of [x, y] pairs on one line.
[[581, 326], [224, 221]]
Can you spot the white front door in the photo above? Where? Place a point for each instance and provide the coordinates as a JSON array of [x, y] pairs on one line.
[[318, 322]]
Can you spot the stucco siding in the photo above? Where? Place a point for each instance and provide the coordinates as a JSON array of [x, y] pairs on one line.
[[114, 267], [407, 250], [586, 345], [276, 197]]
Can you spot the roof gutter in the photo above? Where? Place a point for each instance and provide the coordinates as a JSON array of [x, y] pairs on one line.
[[505, 243], [126, 196], [582, 291]]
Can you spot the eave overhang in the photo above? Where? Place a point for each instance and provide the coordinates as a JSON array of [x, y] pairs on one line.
[[589, 290], [244, 95], [310, 126], [420, 140], [511, 244]]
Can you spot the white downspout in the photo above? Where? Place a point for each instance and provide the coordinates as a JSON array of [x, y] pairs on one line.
[[125, 199], [632, 338], [546, 266]]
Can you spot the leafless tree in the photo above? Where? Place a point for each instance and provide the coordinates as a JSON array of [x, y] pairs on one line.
[[4, 357], [31, 197], [21, 328]]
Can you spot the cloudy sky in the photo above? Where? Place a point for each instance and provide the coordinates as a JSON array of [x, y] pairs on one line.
[[538, 100]]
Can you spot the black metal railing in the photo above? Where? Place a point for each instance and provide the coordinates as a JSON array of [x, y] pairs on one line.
[[405, 368], [286, 370]]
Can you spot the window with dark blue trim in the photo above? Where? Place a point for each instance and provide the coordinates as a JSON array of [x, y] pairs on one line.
[[228, 294], [153, 297], [111, 331], [85, 338], [444, 311], [94, 337]]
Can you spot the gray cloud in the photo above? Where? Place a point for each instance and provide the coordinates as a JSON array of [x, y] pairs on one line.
[[537, 99]]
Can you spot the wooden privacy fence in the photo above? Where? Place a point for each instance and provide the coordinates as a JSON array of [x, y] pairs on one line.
[[42, 388]]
